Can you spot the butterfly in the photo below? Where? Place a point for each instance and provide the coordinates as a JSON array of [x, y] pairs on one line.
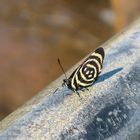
[[85, 74]]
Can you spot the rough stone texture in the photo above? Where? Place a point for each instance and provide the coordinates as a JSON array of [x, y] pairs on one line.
[[109, 110]]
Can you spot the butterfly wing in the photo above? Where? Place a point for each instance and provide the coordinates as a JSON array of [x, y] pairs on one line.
[[88, 71]]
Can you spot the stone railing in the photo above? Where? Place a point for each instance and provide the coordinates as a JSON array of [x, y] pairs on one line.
[[109, 110]]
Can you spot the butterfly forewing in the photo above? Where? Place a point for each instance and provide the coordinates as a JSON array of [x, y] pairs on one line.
[[85, 75]]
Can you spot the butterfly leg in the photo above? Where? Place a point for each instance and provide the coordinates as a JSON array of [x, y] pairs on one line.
[[87, 89], [83, 90], [77, 93], [55, 91]]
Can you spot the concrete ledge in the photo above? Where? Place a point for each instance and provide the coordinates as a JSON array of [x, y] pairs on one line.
[[109, 110]]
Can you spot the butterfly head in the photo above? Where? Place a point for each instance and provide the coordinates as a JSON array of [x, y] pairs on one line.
[[66, 82]]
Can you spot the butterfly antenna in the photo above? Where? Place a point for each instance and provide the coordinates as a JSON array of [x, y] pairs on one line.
[[62, 68]]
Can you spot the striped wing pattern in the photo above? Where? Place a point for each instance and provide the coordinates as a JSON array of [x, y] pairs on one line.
[[85, 75]]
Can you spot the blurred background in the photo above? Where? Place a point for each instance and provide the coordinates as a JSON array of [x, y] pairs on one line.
[[34, 33]]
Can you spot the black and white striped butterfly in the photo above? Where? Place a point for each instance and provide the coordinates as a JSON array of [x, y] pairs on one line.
[[87, 73]]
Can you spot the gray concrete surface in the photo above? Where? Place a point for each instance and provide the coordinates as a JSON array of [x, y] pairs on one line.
[[110, 110]]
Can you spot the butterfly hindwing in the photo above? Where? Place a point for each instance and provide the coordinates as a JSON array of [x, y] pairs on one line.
[[85, 75]]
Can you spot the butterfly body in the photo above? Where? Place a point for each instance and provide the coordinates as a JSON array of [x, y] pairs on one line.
[[87, 73]]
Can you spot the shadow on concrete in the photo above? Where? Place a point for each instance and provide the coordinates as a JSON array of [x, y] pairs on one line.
[[107, 75]]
